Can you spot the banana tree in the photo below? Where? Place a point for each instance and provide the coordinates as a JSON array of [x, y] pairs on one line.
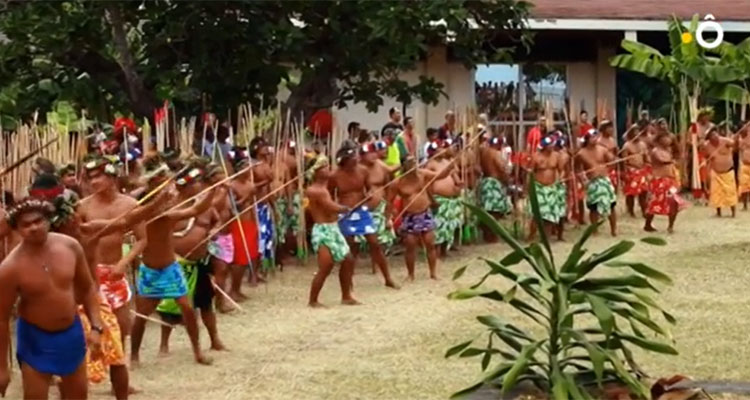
[[694, 73], [569, 356]]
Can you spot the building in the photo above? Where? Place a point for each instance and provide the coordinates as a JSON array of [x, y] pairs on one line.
[[577, 37]]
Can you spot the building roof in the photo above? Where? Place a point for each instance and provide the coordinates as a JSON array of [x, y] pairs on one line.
[[722, 10]]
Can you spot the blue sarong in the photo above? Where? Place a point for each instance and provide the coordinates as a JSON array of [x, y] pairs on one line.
[[265, 231], [357, 222], [55, 353], [167, 283]]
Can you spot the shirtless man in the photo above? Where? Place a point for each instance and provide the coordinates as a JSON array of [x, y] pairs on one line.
[[637, 171], [718, 152], [664, 196], [350, 186], [49, 274], [263, 175], [446, 192], [743, 146], [417, 224], [195, 262], [699, 133], [160, 276], [109, 262], [221, 246], [609, 142], [600, 194], [327, 240], [545, 165], [244, 229], [289, 202], [378, 175], [492, 191]]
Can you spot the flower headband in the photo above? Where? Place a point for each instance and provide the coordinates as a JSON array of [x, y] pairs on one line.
[[161, 169], [546, 141], [29, 205], [109, 167], [344, 154], [316, 163], [191, 176]]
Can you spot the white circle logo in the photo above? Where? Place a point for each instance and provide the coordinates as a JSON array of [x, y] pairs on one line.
[[709, 22]]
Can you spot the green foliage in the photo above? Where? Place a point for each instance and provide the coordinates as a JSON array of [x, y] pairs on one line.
[[565, 357], [692, 71], [130, 56]]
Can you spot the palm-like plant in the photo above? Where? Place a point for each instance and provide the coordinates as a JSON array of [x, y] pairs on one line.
[[691, 70], [565, 358]]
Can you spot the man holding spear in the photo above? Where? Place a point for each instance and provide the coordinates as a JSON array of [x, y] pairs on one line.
[[600, 193], [195, 261], [349, 184], [637, 171], [492, 191], [327, 240], [160, 275]]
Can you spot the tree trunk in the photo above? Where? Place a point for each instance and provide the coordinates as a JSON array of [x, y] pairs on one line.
[[315, 91], [142, 101]]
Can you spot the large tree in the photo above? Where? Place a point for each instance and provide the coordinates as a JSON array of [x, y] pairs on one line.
[[130, 56]]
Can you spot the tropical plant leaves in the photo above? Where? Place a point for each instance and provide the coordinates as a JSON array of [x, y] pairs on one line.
[[519, 366], [654, 241], [643, 269]]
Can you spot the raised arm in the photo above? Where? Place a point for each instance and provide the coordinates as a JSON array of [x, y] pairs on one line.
[[196, 209], [8, 295]]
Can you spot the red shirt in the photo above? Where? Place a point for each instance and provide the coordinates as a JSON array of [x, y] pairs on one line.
[[533, 138], [585, 128]]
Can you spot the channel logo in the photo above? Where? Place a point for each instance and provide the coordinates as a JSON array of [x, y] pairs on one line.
[[707, 25]]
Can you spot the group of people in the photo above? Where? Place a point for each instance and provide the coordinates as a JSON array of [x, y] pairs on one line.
[[191, 228]]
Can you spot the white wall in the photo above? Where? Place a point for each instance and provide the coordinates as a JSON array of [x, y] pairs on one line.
[[458, 84], [592, 81]]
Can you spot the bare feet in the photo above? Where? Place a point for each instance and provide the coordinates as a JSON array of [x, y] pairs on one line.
[[316, 305], [135, 361], [350, 302], [649, 228], [410, 278], [225, 308], [670, 230], [434, 277], [203, 360], [163, 351], [237, 296], [131, 390], [392, 285], [218, 346]]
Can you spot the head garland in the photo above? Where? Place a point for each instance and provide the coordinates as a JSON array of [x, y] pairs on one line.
[[313, 164], [28, 205]]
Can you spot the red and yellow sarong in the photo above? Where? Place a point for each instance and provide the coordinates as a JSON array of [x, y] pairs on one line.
[[723, 190], [636, 181], [744, 185], [112, 353], [662, 192], [114, 287]]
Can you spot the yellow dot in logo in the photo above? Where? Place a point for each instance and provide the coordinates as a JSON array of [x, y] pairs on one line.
[[687, 37]]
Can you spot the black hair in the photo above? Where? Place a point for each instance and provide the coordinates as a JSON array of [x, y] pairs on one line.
[[345, 153], [431, 131], [255, 145], [45, 165], [29, 205], [352, 127], [407, 120], [583, 112], [222, 132], [392, 111]]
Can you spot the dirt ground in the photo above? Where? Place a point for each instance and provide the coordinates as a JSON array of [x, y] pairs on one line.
[[392, 347]]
